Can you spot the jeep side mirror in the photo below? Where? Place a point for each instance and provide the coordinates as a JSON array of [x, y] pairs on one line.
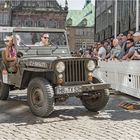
[[19, 54]]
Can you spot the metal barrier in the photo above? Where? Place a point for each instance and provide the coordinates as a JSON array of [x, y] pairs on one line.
[[123, 76]]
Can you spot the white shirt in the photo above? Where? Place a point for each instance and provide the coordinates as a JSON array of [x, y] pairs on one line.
[[102, 52]]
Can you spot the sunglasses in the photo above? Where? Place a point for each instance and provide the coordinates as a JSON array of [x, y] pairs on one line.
[[128, 42], [45, 37], [7, 41]]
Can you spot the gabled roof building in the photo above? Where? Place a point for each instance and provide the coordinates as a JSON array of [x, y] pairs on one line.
[[80, 27], [32, 13]]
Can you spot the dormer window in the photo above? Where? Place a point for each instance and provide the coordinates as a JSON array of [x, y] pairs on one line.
[[84, 22], [69, 22]]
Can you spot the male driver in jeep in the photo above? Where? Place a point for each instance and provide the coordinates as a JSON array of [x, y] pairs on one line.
[[44, 40]]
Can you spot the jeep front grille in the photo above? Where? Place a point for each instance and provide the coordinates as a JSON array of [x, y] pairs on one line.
[[74, 71]]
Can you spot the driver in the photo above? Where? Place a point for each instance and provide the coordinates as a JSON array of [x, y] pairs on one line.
[[44, 40]]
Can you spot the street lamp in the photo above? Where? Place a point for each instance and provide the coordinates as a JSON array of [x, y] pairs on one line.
[[7, 4], [108, 15]]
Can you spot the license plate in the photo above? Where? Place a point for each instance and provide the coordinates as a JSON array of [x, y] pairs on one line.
[[65, 90]]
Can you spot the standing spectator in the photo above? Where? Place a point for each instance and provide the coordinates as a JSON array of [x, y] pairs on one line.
[[130, 49], [136, 37], [86, 54], [107, 47], [123, 41], [115, 51], [101, 51], [94, 52], [130, 35]]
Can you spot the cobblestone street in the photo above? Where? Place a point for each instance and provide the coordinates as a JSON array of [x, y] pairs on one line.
[[69, 121]]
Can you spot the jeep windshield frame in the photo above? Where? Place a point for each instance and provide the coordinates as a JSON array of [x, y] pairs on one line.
[[26, 38]]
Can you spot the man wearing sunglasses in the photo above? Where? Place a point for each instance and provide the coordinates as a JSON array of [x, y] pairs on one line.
[[44, 40], [129, 50]]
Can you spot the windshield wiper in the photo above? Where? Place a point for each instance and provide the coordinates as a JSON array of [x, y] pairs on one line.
[[28, 48], [56, 47]]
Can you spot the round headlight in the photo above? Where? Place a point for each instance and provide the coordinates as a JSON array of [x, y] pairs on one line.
[[91, 65], [60, 67]]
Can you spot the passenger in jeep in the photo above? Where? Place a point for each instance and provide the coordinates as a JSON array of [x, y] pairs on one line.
[[10, 53], [44, 40]]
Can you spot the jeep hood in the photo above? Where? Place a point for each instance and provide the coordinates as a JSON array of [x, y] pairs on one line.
[[46, 62]]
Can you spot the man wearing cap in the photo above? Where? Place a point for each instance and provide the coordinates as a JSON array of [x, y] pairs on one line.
[[44, 40], [136, 37]]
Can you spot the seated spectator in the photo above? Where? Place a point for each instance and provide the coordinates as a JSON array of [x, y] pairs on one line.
[[130, 49], [9, 54], [115, 51]]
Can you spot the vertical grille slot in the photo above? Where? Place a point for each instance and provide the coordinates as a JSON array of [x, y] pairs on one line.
[[75, 71]]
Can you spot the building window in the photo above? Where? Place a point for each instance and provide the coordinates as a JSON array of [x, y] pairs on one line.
[[41, 23], [4, 18], [28, 22], [52, 24], [69, 22], [79, 32], [84, 22]]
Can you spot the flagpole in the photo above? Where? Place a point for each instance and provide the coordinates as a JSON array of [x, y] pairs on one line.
[[137, 15], [115, 20]]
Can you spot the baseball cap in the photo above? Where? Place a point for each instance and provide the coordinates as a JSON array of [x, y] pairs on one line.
[[136, 34]]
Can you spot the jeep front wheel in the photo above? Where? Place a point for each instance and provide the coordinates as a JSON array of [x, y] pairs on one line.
[[4, 89], [96, 101], [40, 96]]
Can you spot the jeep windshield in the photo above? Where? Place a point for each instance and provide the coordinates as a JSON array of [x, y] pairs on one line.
[[34, 43]]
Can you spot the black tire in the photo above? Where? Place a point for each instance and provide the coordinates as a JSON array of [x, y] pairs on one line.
[[4, 89], [98, 103], [40, 96]]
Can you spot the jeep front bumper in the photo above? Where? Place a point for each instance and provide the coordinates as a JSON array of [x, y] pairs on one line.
[[59, 90]]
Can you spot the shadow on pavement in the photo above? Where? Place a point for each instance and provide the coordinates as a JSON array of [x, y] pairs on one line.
[[18, 112]]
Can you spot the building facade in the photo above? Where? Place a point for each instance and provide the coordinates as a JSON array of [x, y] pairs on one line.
[[32, 13], [104, 17], [80, 27]]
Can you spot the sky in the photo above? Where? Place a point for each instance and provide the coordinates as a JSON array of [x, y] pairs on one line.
[[74, 4]]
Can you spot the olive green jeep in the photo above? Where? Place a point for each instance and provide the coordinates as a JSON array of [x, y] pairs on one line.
[[50, 73]]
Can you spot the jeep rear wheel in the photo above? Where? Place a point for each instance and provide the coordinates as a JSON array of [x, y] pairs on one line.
[[4, 89], [97, 101], [40, 97]]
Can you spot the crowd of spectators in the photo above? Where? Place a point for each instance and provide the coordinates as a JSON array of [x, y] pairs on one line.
[[124, 47]]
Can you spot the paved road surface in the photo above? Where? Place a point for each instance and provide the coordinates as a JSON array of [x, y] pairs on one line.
[[69, 121]]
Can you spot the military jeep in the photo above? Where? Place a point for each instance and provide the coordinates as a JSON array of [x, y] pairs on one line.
[[50, 73]]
